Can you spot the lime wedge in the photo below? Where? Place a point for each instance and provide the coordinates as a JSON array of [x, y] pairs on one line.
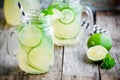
[[30, 36], [97, 53], [67, 16]]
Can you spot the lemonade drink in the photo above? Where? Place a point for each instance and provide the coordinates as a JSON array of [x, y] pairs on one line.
[[35, 45], [12, 12], [67, 29]]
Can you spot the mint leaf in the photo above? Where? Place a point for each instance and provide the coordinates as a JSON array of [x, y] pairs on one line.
[[48, 11], [108, 62]]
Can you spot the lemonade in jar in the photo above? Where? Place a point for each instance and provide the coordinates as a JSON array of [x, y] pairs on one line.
[[12, 12], [67, 27], [36, 48]]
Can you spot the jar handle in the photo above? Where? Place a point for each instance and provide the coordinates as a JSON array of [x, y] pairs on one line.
[[90, 15], [12, 43]]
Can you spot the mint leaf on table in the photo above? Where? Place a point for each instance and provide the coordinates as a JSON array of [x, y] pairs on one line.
[[108, 62], [48, 11]]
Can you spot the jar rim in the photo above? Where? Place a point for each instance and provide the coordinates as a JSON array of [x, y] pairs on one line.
[[34, 15]]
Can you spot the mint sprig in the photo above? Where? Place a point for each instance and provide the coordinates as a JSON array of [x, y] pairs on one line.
[[108, 62], [48, 11]]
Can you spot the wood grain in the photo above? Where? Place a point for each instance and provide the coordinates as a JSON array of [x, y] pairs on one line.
[[111, 22], [1, 20], [77, 64], [9, 69]]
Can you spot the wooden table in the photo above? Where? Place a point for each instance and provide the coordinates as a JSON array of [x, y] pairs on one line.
[[70, 62]]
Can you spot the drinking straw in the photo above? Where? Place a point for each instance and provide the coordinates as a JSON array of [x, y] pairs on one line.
[[21, 9], [95, 28]]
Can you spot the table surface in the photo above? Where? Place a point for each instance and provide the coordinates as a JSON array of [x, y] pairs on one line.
[[70, 62]]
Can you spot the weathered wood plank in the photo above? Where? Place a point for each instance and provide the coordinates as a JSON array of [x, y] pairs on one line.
[[1, 20], [9, 69], [55, 72], [111, 22], [76, 65], [98, 5]]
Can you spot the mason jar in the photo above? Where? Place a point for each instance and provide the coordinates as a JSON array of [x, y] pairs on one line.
[[35, 44], [12, 13], [68, 28]]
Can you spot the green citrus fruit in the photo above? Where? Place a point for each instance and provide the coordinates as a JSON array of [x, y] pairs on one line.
[[100, 39], [97, 53]]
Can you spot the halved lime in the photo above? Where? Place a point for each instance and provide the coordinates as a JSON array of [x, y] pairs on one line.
[[30, 36], [68, 16], [96, 53]]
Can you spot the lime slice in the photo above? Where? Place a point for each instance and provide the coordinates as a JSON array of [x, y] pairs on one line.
[[68, 16], [23, 62], [30, 36], [41, 57], [96, 53], [70, 31]]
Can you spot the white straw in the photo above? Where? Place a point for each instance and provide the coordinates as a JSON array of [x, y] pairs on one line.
[[21, 9]]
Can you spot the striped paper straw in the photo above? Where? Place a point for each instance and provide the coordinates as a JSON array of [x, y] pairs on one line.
[[95, 28], [21, 9]]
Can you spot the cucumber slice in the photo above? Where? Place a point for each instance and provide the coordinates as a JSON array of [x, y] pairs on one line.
[[41, 57], [30, 36], [23, 62], [70, 30], [68, 16]]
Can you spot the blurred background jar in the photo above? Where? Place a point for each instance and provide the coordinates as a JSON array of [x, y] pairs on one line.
[[12, 13]]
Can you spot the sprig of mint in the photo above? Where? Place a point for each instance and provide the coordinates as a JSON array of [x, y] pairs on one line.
[[48, 11], [108, 62]]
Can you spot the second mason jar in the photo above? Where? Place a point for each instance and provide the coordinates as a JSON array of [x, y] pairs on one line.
[[68, 28], [36, 46]]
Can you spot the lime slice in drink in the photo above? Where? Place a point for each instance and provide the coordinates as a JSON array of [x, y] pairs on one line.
[[96, 53], [70, 31], [41, 57], [30, 36], [23, 62], [68, 16]]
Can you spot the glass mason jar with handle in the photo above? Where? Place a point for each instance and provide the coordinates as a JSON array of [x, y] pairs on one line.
[[68, 28], [12, 12], [35, 44]]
